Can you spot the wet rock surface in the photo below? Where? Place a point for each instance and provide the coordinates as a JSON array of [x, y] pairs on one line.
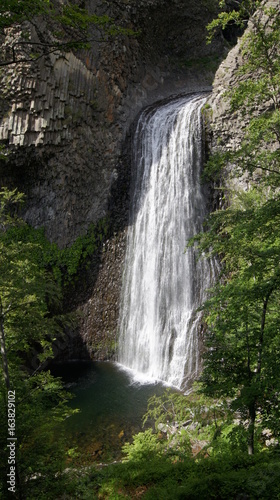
[[66, 119]]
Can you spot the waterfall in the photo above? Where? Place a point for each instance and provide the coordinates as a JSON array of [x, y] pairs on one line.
[[163, 284]]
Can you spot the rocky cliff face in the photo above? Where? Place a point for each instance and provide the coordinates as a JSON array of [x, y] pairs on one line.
[[227, 128], [65, 121], [64, 118]]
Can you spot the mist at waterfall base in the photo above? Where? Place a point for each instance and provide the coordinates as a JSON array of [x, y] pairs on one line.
[[164, 283]]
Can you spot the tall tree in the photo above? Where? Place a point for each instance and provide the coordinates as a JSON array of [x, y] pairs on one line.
[[242, 314], [29, 318]]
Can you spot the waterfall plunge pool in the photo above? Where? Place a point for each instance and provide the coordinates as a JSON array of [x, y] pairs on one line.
[[163, 285], [111, 405]]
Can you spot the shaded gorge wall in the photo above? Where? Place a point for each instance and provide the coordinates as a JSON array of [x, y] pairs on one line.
[[65, 124]]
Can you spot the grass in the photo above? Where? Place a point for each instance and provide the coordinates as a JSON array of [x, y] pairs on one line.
[[228, 476]]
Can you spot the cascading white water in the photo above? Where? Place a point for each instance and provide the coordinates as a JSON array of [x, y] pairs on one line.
[[163, 285]]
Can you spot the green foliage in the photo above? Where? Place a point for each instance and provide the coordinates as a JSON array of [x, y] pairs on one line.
[[13, 11], [241, 361], [224, 477], [242, 313], [64, 263], [26, 293], [239, 16], [261, 60], [41, 403], [30, 320], [214, 166], [145, 446], [192, 419], [83, 247], [10, 201], [32, 273]]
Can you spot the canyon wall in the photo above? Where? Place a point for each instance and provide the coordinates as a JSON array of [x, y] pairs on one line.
[[226, 127], [64, 117], [66, 121]]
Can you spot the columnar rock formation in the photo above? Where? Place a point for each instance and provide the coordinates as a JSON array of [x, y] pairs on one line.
[[64, 117], [65, 122]]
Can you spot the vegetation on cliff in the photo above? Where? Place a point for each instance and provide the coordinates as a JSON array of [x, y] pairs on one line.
[[242, 342]]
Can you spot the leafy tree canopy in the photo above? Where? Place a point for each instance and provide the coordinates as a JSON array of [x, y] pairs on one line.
[[30, 320], [242, 313]]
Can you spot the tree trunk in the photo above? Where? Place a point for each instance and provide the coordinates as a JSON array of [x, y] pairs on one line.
[[252, 405], [251, 428], [7, 382], [4, 353]]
